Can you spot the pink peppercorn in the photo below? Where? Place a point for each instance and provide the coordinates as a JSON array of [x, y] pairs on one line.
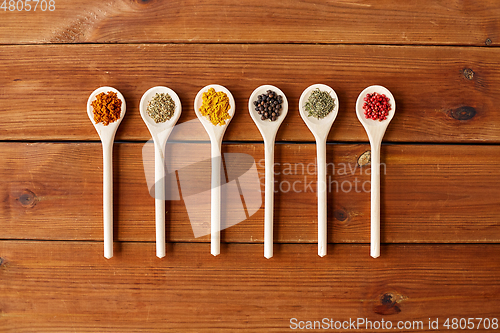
[[376, 106]]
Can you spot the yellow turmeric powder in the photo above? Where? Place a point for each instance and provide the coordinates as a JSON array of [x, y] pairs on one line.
[[215, 106], [107, 108]]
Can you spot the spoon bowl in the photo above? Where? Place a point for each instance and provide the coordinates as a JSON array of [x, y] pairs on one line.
[[154, 127], [320, 129], [110, 129], [268, 130], [160, 133], [107, 135], [216, 133], [375, 130]]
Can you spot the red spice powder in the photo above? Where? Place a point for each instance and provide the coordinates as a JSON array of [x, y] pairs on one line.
[[107, 108]]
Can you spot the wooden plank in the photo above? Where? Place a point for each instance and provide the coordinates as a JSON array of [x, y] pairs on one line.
[[360, 21], [69, 286], [430, 193], [50, 86]]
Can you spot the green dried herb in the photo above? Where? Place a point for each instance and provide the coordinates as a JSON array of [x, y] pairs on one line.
[[319, 104], [161, 107]]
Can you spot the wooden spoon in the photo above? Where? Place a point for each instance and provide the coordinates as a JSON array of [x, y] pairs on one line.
[[160, 133], [107, 135], [375, 130], [268, 130], [215, 132], [320, 129]]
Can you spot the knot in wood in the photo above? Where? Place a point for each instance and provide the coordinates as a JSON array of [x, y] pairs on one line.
[[389, 304], [365, 158], [1, 261], [386, 299], [27, 198], [468, 73], [487, 42], [340, 215], [463, 113]]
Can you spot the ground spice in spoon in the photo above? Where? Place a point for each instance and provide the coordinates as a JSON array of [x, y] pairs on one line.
[[107, 108], [161, 107], [319, 104], [215, 106]]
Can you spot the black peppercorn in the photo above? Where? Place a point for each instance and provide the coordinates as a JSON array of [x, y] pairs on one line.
[[268, 105]]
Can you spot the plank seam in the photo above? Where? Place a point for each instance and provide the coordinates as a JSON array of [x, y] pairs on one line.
[[239, 142], [243, 243], [256, 43]]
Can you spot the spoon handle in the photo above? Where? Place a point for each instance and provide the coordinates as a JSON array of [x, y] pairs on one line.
[[375, 198], [321, 189], [159, 201], [216, 194], [107, 195], [269, 198]]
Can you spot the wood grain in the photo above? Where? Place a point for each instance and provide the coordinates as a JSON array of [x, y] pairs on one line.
[[446, 22], [441, 61], [69, 286], [430, 193], [49, 86]]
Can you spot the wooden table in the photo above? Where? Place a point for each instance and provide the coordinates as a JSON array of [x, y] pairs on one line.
[[440, 192]]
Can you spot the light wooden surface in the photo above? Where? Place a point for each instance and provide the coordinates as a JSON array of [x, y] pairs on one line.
[[430, 193], [190, 290], [446, 22], [440, 228], [435, 100]]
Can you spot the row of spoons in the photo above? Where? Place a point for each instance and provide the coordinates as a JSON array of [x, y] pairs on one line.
[[268, 129]]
